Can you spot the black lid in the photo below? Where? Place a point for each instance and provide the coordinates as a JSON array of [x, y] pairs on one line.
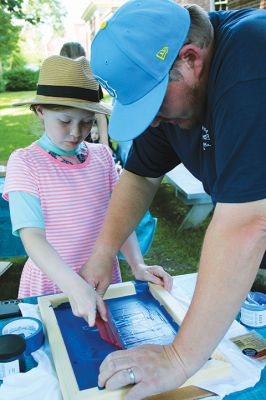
[[11, 346]]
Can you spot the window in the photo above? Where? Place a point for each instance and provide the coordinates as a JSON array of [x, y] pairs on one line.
[[220, 5]]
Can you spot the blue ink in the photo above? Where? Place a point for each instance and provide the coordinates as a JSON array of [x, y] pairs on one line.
[[135, 320]]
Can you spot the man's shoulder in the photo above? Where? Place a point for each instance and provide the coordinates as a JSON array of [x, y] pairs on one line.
[[240, 36], [236, 18]]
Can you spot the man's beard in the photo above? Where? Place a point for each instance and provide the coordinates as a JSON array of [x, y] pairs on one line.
[[197, 100]]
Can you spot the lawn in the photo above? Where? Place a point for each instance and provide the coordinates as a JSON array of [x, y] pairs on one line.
[[177, 251], [18, 125]]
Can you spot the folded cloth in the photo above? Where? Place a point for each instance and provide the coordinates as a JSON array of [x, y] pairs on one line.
[[40, 383], [245, 372]]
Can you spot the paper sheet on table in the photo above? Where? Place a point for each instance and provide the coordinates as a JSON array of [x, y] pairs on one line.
[[40, 383], [245, 371]]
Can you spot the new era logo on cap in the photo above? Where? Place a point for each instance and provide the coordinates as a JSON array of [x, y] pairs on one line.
[[162, 53]]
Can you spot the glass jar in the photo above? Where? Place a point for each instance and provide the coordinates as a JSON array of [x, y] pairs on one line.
[[12, 348]]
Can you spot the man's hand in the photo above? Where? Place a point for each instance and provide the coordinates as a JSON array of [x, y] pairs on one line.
[[154, 368], [155, 274], [98, 272]]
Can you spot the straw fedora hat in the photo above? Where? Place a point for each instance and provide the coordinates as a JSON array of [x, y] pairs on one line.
[[67, 82]]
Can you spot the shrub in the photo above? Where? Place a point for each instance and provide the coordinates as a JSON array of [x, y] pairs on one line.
[[22, 78], [2, 84]]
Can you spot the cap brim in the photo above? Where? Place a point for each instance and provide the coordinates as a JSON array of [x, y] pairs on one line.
[[100, 107], [131, 120]]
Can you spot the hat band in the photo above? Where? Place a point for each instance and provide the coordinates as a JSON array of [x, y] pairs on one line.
[[70, 92]]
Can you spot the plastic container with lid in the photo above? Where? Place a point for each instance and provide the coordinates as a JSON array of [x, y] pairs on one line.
[[12, 348], [253, 310]]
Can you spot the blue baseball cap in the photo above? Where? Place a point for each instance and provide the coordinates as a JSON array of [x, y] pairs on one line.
[[131, 57]]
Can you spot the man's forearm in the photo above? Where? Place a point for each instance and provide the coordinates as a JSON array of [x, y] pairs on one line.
[[233, 247], [130, 199]]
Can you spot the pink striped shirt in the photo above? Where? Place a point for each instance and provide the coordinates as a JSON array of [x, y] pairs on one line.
[[74, 200]]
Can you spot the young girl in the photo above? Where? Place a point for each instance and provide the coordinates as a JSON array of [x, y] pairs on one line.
[[59, 188]]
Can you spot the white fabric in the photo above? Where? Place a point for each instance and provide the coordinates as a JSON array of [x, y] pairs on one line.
[[245, 372], [40, 383]]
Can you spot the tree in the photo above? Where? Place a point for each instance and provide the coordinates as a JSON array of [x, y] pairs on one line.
[[9, 34], [14, 8], [15, 13]]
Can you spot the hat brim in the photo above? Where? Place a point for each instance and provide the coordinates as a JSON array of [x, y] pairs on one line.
[[131, 120], [101, 107]]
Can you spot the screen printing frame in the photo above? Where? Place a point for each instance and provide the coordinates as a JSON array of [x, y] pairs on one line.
[[213, 368]]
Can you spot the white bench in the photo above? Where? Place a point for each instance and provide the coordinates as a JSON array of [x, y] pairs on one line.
[[191, 192], [4, 265]]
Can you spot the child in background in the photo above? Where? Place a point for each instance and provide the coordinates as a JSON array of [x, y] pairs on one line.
[[93, 136], [59, 188], [72, 50]]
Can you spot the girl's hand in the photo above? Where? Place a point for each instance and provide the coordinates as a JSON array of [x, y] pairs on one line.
[[155, 274], [85, 301], [83, 298]]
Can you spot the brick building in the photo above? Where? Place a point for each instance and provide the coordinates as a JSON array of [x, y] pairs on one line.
[[206, 4], [100, 10], [227, 4], [236, 4]]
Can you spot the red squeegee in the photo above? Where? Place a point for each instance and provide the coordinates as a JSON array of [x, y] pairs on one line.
[[108, 331]]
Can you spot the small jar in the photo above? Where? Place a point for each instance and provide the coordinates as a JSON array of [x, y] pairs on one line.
[[253, 311], [12, 348]]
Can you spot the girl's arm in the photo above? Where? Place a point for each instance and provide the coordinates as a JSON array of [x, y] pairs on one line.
[[82, 296], [155, 273]]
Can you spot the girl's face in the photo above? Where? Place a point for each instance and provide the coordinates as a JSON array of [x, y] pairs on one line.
[[67, 127]]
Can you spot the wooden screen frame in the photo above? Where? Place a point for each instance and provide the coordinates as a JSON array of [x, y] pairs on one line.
[[69, 387]]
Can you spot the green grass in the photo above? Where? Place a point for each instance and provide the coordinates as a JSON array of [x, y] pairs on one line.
[[18, 125], [178, 252]]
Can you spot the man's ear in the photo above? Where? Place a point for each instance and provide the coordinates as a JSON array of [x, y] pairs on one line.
[[192, 56]]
